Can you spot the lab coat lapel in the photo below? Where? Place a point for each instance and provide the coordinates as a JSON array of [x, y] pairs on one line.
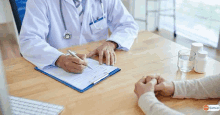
[[86, 15], [71, 2]]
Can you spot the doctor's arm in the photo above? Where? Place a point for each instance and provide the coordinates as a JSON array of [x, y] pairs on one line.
[[122, 25], [124, 30], [33, 35]]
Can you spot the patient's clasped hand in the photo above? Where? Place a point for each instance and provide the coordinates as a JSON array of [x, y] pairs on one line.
[[154, 83]]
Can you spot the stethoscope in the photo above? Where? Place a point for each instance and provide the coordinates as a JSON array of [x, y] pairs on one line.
[[67, 34]]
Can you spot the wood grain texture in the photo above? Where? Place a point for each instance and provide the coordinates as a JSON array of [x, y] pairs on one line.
[[8, 42], [114, 96]]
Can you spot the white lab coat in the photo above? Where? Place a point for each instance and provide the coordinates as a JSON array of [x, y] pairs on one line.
[[42, 29]]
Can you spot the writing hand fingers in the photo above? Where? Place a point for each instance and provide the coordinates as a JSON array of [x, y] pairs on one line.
[[75, 68], [82, 56], [77, 60]]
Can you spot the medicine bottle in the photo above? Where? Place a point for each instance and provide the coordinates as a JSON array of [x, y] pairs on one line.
[[196, 47], [201, 62]]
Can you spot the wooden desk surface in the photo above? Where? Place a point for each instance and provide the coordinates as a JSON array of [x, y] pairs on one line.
[[114, 96]]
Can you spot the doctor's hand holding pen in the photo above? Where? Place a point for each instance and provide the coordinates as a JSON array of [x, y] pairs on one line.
[[105, 50], [72, 64]]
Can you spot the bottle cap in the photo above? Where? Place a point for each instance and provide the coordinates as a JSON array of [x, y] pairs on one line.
[[197, 47], [202, 54]]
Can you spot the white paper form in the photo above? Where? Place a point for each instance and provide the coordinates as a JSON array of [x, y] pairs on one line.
[[81, 81]]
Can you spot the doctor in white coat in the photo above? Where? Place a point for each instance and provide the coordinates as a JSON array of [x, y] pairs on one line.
[[49, 25]]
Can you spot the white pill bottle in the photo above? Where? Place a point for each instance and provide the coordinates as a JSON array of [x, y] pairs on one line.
[[196, 47], [201, 62]]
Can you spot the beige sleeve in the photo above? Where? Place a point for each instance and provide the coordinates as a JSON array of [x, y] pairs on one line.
[[150, 105], [207, 87]]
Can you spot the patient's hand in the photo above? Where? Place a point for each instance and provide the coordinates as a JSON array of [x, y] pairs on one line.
[[161, 86], [144, 85], [164, 87]]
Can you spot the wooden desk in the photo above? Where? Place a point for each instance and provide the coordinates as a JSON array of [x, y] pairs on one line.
[[150, 54]]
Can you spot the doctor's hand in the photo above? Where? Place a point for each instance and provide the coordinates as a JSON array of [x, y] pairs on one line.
[[72, 64], [144, 85], [105, 50]]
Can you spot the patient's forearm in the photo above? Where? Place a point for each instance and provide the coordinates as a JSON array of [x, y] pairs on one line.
[[207, 87], [151, 106]]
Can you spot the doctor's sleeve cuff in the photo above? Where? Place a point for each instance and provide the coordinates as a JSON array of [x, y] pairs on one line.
[[56, 55], [51, 59], [119, 43], [54, 62]]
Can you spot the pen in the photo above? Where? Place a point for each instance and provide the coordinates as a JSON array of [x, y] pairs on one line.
[[73, 54]]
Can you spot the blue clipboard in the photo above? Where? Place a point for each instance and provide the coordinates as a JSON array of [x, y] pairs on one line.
[[75, 88]]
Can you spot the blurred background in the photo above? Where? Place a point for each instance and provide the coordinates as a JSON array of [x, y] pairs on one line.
[[190, 21], [198, 20], [8, 41]]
